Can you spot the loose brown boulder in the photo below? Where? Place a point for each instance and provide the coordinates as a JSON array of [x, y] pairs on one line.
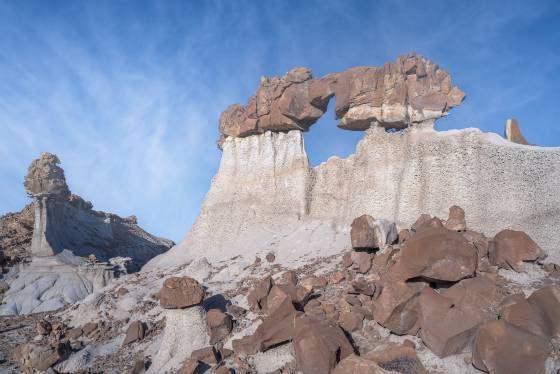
[[136, 331], [277, 328], [517, 311], [298, 295], [449, 319], [180, 293], [502, 348], [456, 220], [510, 248], [207, 355], [361, 232], [397, 358], [41, 357], [314, 283], [219, 325], [362, 261], [358, 365], [437, 254], [319, 344], [190, 366], [547, 302], [396, 308], [351, 321], [257, 296], [369, 233]]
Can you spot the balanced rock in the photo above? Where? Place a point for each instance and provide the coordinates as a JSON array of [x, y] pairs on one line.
[[512, 132], [502, 348], [437, 254], [45, 178], [219, 325], [510, 248], [319, 344], [179, 293], [449, 319]]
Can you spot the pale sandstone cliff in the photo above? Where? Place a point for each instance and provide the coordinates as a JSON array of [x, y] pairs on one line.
[[266, 197]]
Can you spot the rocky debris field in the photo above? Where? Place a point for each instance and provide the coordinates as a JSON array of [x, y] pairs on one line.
[[434, 298]]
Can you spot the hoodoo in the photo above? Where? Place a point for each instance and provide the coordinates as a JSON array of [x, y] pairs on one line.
[[71, 249]]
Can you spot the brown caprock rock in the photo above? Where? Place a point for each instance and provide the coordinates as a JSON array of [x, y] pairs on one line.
[[502, 348], [513, 133], [319, 344], [510, 248], [180, 293], [45, 178], [437, 254], [408, 91]]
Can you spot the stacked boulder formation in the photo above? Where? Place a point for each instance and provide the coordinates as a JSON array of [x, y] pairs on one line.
[[59, 249], [409, 91]]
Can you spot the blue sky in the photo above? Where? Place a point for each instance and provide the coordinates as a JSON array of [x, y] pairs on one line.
[[128, 93]]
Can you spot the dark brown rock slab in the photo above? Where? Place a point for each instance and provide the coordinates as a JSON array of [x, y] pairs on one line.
[[219, 325], [510, 248], [502, 348], [437, 254], [319, 344], [449, 319]]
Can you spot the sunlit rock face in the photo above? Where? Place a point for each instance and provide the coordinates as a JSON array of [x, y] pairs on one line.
[[266, 196], [399, 94]]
